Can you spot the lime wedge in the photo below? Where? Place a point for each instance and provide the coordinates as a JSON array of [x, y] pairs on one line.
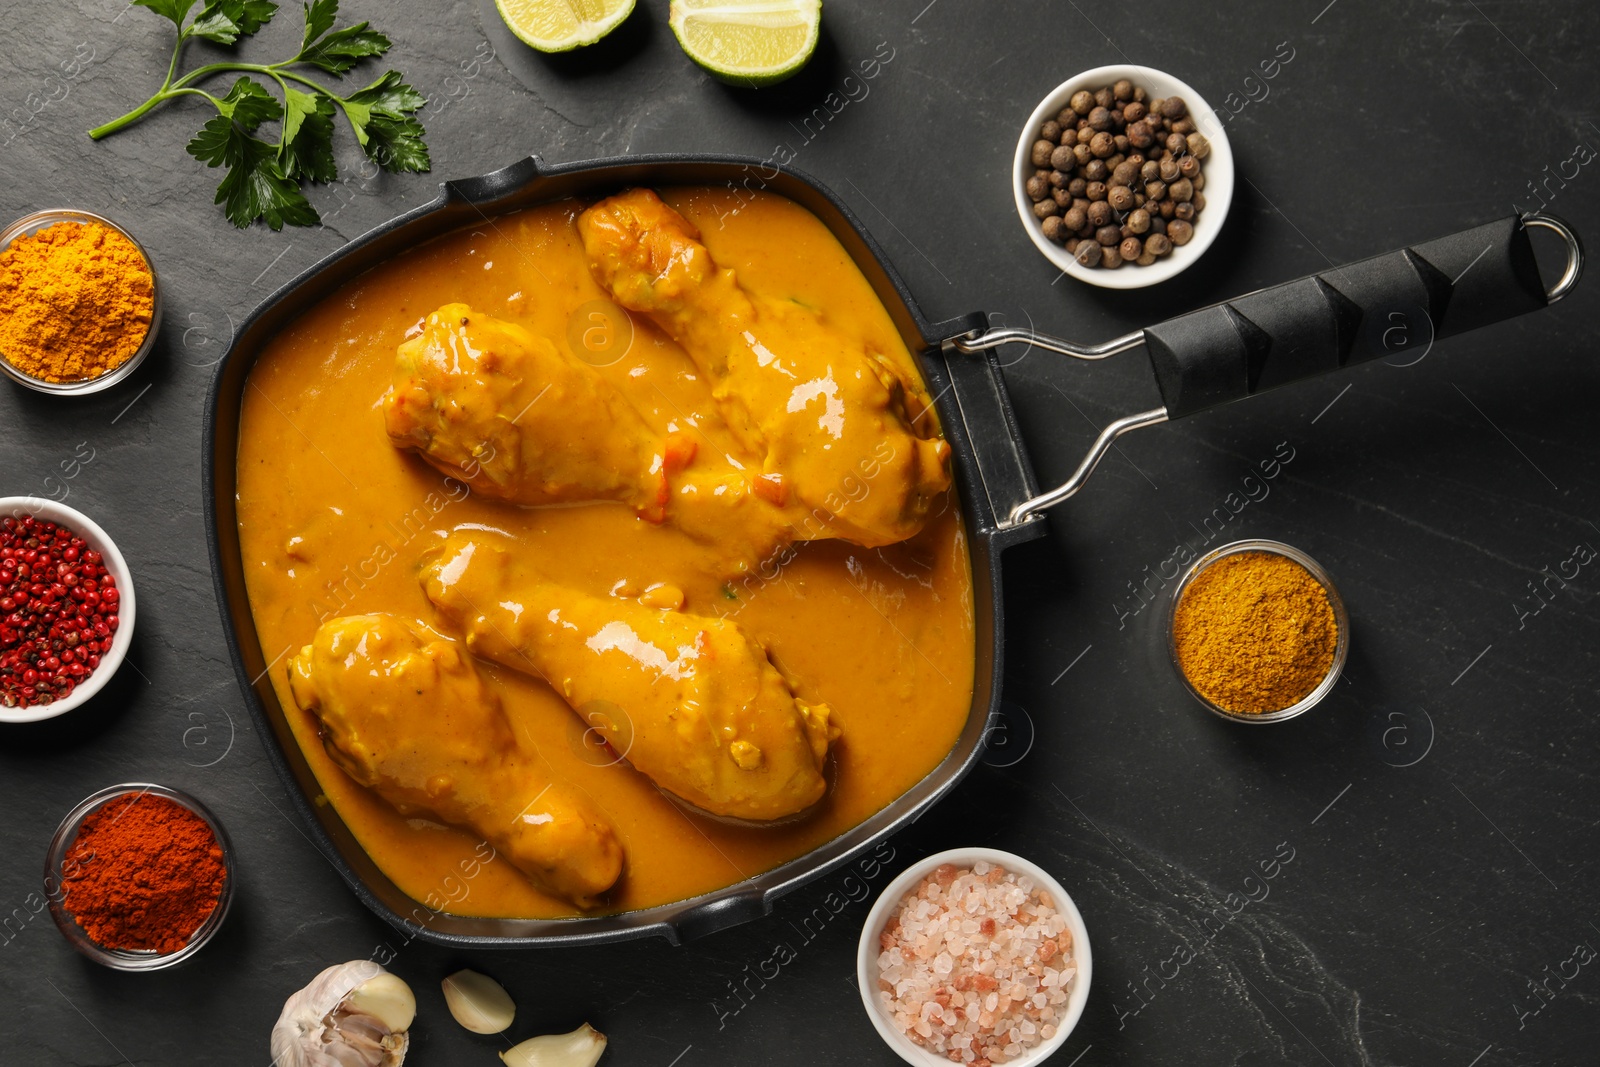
[[562, 25], [748, 42]]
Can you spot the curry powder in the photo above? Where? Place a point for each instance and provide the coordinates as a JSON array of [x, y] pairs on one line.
[[76, 300], [1254, 632]]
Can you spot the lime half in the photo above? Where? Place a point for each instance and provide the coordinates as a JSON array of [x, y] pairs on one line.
[[562, 25], [748, 42]]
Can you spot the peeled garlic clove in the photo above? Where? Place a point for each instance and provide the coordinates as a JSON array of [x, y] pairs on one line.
[[478, 1002], [581, 1048], [353, 1014]]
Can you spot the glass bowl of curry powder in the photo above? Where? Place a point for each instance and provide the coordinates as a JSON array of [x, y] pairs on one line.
[[1257, 631], [80, 304]]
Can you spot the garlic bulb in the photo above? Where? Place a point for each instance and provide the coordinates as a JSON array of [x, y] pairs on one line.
[[581, 1048], [478, 1002], [353, 1014]]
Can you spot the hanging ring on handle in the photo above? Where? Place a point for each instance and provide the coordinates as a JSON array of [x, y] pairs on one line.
[[1574, 252], [1102, 444], [983, 340]]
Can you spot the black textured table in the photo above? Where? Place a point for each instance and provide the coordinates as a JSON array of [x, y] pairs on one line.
[[1440, 807]]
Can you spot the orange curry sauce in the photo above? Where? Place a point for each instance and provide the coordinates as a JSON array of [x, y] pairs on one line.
[[333, 521]]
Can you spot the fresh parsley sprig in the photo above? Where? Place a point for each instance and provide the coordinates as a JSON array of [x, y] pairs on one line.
[[264, 177]]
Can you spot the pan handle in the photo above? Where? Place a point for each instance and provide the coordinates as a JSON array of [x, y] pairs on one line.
[[1393, 304]]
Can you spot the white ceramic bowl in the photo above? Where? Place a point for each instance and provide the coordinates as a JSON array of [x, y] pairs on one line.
[[1218, 170], [97, 539], [867, 950]]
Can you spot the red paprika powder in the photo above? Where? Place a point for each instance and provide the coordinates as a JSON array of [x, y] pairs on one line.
[[149, 872]]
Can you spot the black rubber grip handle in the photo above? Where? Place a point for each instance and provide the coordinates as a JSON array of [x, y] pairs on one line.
[[1393, 304]]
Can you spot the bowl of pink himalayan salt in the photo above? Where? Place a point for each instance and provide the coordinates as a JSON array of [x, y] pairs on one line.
[[974, 956]]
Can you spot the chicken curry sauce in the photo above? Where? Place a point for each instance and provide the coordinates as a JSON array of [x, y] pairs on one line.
[[615, 541]]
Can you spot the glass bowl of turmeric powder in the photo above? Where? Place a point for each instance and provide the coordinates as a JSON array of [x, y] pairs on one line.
[[80, 304], [1258, 632], [139, 876]]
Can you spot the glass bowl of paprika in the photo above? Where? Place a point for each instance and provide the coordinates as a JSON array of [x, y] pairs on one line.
[[80, 305], [139, 877], [1257, 631]]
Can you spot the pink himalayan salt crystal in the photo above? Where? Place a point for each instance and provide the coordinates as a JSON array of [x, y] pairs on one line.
[[976, 965]]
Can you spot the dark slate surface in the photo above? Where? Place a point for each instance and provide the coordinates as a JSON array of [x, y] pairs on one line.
[[1440, 806]]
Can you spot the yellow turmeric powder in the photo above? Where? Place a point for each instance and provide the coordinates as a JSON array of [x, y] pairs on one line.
[[1254, 632], [76, 300]]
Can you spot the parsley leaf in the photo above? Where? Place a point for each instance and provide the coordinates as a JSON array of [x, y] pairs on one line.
[[224, 21], [176, 10], [384, 117], [307, 148], [319, 20], [342, 49], [256, 186]]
